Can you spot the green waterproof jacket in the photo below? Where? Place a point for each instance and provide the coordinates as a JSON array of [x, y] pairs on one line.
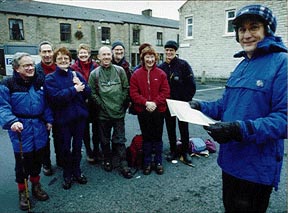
[[109, 91]]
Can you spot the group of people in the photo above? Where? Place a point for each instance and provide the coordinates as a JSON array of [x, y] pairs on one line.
[[68, 98]]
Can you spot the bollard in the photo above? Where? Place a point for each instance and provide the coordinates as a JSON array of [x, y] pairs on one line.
[[203, 80]]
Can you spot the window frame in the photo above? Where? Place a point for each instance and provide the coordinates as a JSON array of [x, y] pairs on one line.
[[159, 41], [228, 22], [19, 22], [65, 35], [187, 25], [136, 37], [105, 35]]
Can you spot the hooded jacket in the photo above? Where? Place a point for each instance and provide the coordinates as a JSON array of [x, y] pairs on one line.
[[255, 96], [24, 101]]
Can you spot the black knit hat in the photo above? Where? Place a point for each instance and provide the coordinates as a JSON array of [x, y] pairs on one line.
[[117, 43], [171, 44]]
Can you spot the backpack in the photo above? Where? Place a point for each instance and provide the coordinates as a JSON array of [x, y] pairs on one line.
[[135, 152], [196, 145]]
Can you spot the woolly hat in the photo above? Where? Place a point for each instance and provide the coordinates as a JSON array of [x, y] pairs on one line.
[[264, 13], [117, 43], [171, 44]]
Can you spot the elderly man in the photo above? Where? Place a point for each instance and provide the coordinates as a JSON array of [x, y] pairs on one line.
[[24, 113], [109, 86]]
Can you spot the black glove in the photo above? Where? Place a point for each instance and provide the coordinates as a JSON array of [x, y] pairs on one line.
[[224, 132], [195, 105]]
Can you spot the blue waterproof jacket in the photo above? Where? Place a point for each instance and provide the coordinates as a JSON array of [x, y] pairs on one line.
[[67, 104], [24, 101], [256, 97]]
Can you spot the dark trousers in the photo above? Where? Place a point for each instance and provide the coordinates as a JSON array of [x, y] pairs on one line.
[[118, 139], [46, 154], [171, 130], [30, 165], [244, 196], [95, 139], [151, 125], [72, 136]]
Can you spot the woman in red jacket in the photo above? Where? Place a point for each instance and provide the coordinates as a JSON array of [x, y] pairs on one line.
[[149, 89]]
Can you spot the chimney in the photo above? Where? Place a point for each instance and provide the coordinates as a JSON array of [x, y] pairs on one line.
[[147, 12]]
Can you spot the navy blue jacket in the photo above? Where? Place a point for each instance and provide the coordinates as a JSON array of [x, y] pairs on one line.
[[181, 79], [67, 104]]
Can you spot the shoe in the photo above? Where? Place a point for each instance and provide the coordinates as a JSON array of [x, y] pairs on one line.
[[81, 179], [38, 192], [23, 201], [67, 184], [47, 170], [171, 156], [90, 160], [147, 170], [126, 172], [108, 166], [186, 159], [159, 169]]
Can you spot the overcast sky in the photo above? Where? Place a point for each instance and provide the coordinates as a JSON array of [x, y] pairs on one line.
[[163, 9]]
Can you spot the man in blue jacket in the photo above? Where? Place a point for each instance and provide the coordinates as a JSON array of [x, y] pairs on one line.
[[253, 114], [28, 119]]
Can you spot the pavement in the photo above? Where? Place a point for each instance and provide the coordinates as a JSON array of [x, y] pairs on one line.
[[180, 189]]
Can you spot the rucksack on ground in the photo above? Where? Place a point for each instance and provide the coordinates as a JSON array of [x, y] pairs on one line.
[[135, 152]]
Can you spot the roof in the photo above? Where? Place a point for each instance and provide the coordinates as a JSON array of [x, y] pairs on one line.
[[34, 8]]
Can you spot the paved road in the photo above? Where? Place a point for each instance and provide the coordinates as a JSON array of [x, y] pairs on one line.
[[180, 189]]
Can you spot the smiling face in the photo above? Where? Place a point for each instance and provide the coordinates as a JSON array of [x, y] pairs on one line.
[[149, 61], [170, 54], [46, 54], [118, 53], [83, 55], [62, 61], [250, 33], [105, 56], [26, 67]]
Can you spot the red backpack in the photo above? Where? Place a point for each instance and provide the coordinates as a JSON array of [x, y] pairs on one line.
[[135, 152]]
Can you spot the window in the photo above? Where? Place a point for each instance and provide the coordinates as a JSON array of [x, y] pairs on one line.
[[65, 32], [189, 27], [135, 59], [159, 39], [16, 30], [136, 36], [105, 35], [161, 58], [230, 15]]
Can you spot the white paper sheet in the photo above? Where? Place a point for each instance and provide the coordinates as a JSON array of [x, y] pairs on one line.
[[184, 112]]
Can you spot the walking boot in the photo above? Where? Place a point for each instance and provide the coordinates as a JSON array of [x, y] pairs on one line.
[[38, 192], [186, 159], [23, 201]]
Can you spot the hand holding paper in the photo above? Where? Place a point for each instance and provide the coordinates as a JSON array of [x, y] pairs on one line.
[[184, 112]]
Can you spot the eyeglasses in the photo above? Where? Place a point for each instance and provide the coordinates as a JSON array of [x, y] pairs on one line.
[[254, 28], [27, 66], [65, 58]]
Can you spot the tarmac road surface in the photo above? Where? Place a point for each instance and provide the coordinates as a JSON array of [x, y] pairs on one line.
[[180, 189]]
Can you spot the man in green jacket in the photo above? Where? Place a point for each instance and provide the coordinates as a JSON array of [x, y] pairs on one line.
[[109, 85]]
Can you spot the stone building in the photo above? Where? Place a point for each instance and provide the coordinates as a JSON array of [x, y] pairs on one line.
[[207, 37], [25, 23]]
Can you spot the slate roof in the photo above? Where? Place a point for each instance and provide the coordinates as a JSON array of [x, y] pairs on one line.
[[34, 8]]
